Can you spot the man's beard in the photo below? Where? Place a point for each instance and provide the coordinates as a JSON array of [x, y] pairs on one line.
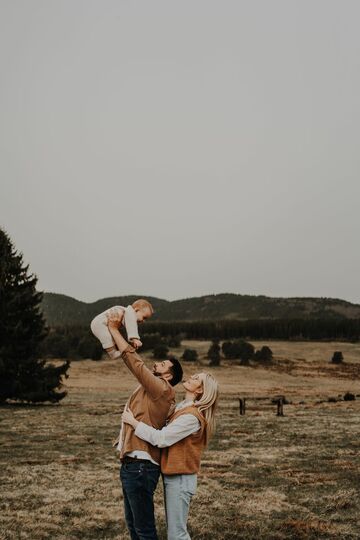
[[156, 373]]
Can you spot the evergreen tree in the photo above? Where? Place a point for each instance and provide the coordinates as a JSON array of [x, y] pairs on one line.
[[23, 376]]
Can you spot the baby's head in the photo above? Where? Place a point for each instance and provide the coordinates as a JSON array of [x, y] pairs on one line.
[[143, 309]]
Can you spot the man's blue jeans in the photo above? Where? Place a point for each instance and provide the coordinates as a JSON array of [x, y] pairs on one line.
[[139, 481]]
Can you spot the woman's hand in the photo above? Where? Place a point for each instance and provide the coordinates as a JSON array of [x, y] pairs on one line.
[[129, 418]]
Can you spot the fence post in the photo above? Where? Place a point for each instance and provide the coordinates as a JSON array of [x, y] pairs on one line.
[[242, 405], [280, 407]]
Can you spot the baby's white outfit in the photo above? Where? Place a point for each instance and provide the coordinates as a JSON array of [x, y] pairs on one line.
[[101, 330]]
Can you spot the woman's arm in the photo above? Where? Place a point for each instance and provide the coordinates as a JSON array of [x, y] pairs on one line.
[[181, 427]]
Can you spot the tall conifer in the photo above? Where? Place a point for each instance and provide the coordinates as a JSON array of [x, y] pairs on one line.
[[23, 375]]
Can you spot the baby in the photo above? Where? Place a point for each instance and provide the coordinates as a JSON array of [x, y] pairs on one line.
[[130, 317]]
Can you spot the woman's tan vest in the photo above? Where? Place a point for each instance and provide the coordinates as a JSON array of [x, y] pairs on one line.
[[184, 456]]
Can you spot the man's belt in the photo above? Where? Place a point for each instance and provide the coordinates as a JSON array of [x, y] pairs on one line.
[[129, 459]]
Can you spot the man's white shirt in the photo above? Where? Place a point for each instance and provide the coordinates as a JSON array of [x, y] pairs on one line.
[[139, 454]]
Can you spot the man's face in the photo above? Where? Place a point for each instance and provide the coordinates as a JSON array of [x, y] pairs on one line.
[[161, 369]]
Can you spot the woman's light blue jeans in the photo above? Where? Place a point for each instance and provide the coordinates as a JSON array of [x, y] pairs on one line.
[[178, 491]]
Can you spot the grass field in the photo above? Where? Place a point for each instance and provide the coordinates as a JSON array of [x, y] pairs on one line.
[[263, 476]]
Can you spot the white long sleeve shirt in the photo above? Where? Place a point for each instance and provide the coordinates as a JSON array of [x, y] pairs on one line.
[[130, 323], [181, 427], [139, 454]]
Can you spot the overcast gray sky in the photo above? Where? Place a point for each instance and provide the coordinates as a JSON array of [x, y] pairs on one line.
[[181, 148]]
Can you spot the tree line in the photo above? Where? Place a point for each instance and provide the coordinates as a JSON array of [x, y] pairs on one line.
[[77, 342], [286, 329]]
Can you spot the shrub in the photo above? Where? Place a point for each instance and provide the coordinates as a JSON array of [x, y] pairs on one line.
[[230, 350], [238, 349], [337, 357], [264, 354], [190, 355], [246, 350], [214, 353]]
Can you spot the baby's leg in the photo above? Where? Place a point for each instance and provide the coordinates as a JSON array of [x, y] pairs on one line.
[[101, 331]]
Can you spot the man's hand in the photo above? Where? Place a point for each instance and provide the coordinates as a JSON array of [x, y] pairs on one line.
[[129, 418], [136, 343], [114, 319]]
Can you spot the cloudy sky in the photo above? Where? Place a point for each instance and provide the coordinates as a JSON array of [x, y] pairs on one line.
[[181, 148]]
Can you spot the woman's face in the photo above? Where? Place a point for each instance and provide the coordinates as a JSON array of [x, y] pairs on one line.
[[194, 384]]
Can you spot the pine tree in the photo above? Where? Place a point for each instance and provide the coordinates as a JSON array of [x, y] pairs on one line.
[[23, 376]]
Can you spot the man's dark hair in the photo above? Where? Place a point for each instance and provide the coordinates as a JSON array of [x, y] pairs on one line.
[[176, 371]]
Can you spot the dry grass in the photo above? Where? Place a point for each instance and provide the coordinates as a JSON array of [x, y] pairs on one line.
[[263, 477]]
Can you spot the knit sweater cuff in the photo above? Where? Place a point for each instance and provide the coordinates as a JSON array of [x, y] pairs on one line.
[[129, 350]]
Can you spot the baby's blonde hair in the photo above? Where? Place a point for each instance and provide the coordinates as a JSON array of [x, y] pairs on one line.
[[143, 304], [208, 401]]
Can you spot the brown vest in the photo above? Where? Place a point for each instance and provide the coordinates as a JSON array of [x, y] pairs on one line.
[[184, 456], [151, 403]]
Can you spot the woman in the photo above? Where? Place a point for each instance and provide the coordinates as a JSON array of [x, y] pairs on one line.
[[182, 440]]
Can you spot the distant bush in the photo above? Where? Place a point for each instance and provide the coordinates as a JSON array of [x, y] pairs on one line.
[[349, 396], [190, 355], [214, 353], [161, 352], [230, 350], [238, 350], [247, 351], [264, 354], [337, 357]]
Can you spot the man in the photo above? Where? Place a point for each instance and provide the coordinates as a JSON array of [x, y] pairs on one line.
[[151, 403]]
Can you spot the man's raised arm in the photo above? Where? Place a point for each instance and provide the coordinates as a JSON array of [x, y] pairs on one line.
[[154, 385]]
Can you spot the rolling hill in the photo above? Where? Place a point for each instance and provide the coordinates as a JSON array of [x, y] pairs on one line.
[[64, 310]]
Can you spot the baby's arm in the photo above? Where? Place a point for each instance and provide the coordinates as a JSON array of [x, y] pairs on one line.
[[118, 312], [131, 326], [136, 343]]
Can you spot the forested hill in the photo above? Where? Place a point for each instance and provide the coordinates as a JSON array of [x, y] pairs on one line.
[[62, 310]]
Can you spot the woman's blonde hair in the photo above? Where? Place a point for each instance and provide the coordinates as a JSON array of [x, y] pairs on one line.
[[208, 401]]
